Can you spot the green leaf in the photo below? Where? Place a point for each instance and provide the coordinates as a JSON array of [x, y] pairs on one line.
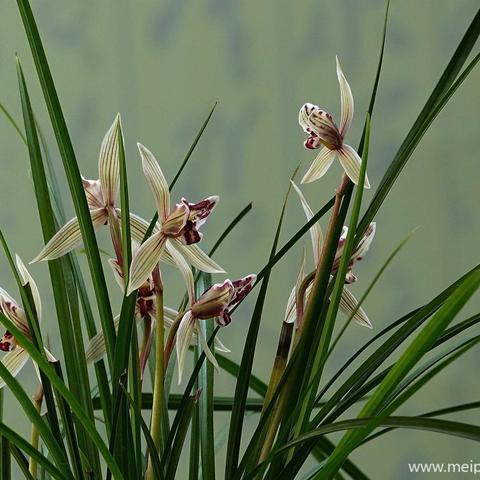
[[409, 358], [64, 289], [206, 387], [438, 98], [72, 172], [57, 383], [242, 384], [18, 441]]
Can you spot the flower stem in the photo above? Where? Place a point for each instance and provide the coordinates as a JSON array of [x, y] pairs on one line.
[[158, 404], [34, 437]]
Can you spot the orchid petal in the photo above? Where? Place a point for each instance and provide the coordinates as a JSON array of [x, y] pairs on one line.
[[320, 165], [346, 99], [291, 310], [27, 279], [315, 230], [145, 260], [220, 347], [364, 243], [117, 272], [68, 237], [14, 361], [108, 163], [194, 255], [208, 353], [349, 305], [10, 308], [185, 270], [138, 229], [93, 192], [351, 163], [184, 335], [96, 348], [156, 181]]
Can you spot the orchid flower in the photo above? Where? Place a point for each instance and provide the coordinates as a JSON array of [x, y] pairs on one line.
[[145, 308], [177, 230], [324, 133], [17, 356], [216, 302], [348, 303]]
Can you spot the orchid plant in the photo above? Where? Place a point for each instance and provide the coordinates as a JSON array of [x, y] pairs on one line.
[[96, 413]]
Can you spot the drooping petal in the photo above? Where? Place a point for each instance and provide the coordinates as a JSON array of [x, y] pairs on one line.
[[185, 270], [156, 180], [349, 304], [68, 237], [220, 347], [144, 261], [346, 99], [351, 163], [320, 165], [184, 335], [108, 164], [315, 230], [208, 353], [194, 255], [27, 279], [96, 348], [169, 315], [14, 361]]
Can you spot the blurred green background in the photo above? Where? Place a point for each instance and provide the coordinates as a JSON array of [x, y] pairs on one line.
[[163, 64]]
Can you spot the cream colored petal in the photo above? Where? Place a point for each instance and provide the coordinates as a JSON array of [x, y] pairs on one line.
[[169, 315], [184, 336], [291, 310], [315, 230], [349, 304], [185, 270], [351, 163], [14, 361], [197, 257], [320, 165], [219, 346], [209, 354], [108, 163], [145, 260], [68, 237], [116, 273], [346, 99], [156, 180], [14, 312], [28, 279]]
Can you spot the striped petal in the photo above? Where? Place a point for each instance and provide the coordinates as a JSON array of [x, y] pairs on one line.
[[185, 270], [138, 229], [14, 312], [194, 255], [346, 99], [68, 237], [208, 353], [108, 163], [184, 336], [27, 279], [14, 361], [315, 230], [351, 163], [156, 180], [291, 311], [349, 305], [145, 260], [320, 165]]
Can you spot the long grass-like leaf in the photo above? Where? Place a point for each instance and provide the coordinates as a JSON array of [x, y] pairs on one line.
[[72, 172], [57, 383]]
